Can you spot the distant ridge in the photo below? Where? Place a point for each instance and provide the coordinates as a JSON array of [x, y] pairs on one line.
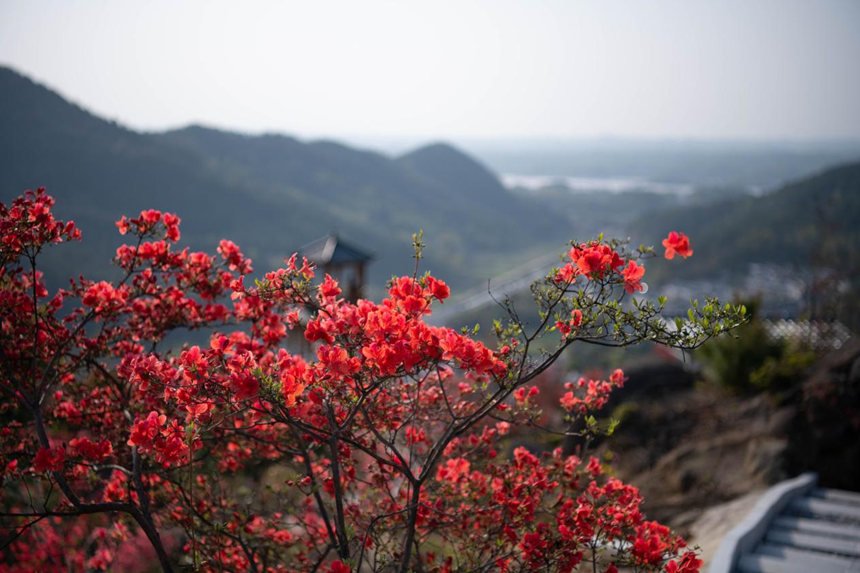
[[274, 193], [269, 193]]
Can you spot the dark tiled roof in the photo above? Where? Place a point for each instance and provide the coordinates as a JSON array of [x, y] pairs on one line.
[[332, 249]]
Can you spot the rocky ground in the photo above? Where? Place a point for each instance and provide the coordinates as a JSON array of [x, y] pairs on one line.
[[690, 446]]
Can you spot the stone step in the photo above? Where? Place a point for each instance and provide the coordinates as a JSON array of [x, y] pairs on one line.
[[813, 541], [824, 509], [770, 558], [840, 495], [756, 563], [817, 526]]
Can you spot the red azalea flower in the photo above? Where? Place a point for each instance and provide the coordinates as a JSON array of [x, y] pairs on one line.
[[677, 243]]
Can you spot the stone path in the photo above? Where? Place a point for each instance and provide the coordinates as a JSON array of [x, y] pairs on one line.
[[795, 528]]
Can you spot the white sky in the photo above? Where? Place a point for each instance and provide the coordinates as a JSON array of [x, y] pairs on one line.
[[761, 69]]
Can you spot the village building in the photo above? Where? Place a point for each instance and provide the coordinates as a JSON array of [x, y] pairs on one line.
[[345, 263]]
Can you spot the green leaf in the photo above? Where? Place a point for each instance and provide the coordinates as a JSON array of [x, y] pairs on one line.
[[613, 423]]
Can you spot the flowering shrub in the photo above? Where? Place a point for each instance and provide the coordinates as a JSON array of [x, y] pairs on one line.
[[388, 436]]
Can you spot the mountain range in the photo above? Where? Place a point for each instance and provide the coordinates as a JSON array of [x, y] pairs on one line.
[[269, 193], [272, 194]]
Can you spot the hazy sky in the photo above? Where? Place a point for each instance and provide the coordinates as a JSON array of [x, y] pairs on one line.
[[643, 68]]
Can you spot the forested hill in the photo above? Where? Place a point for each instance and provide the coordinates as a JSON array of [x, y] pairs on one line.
[[453, 170], [811, 222], [459, 204], [270, 193], [99, 171]]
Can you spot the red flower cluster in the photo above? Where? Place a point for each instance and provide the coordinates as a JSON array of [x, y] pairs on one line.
[[104, 297], [154, 434], [49, 459], [29, 224], [633, 274], [677, 243], [147, 224], [599, 261], [594, 393], [594, 259]]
